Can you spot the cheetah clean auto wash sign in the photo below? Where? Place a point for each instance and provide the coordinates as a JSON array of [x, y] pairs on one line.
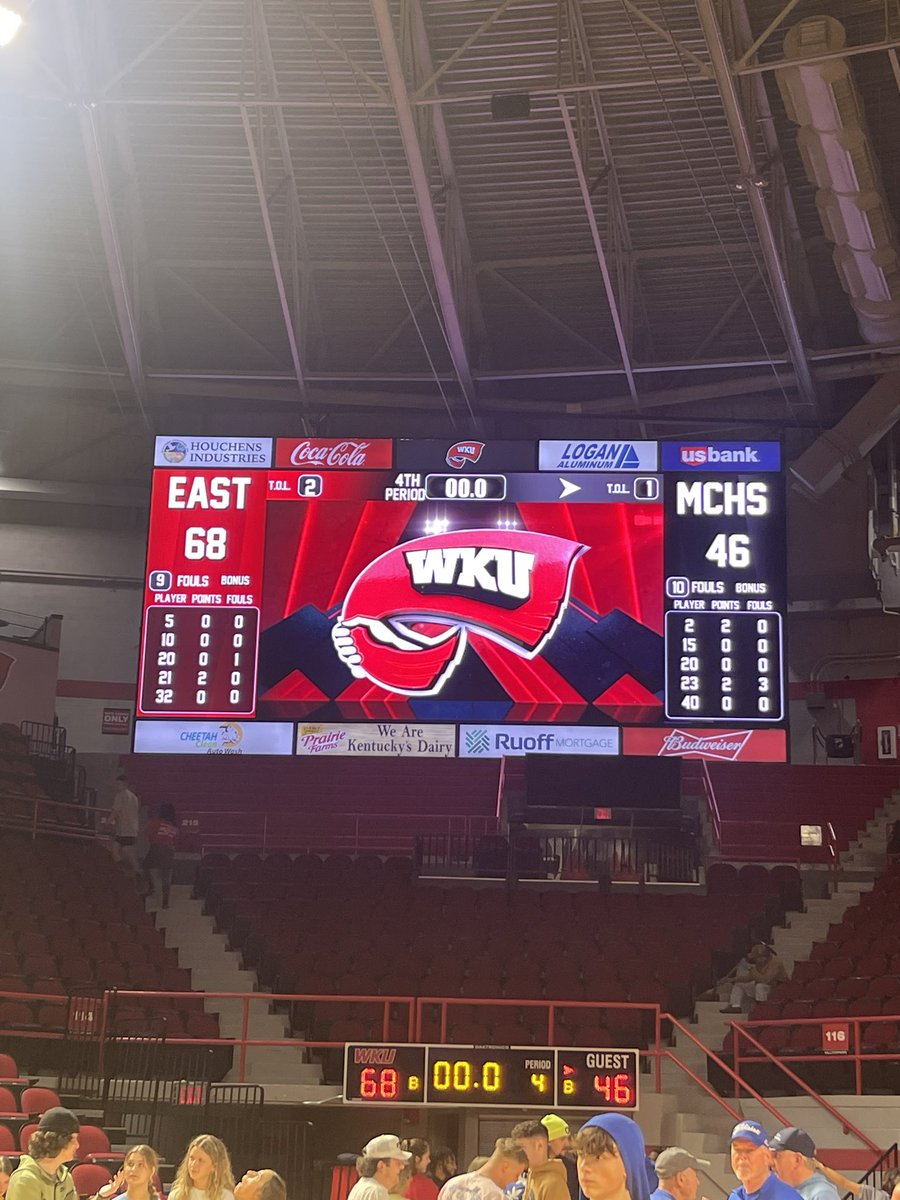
[[504, 741], [393, 740]]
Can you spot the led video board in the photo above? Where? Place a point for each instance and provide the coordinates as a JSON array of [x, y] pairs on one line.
[[423, 597]]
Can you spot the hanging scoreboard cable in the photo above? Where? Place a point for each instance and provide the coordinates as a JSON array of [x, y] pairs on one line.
[[385, 1073]]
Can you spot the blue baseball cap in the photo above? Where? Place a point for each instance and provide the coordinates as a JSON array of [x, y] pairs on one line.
[[749, 1131]]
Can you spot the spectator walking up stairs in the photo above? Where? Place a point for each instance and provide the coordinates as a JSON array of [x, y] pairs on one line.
[[699, 1123], [283, 1071]]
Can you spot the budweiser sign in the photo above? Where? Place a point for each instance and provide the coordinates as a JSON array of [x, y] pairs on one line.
[[718, 745], [334, 454], [726, 746]]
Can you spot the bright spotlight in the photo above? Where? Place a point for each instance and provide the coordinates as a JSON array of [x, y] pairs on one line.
[[10, 23]]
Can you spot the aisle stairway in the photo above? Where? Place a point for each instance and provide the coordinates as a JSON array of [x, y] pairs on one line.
[[699, 1123], [215, 968]]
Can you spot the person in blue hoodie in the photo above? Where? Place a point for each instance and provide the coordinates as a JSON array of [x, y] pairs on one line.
[[751, 1161], [612, 1159]]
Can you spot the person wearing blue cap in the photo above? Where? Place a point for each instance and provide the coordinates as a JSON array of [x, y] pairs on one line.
[[751, 1161], [612, 1159], [794, 1152]]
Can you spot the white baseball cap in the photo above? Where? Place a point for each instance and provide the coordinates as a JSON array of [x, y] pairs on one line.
[[386, 1145]]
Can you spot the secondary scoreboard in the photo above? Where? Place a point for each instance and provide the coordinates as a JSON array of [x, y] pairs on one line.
[[387, 1073], [551, 596]]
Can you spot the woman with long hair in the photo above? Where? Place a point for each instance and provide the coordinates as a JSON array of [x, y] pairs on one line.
[[420, 1186], [205, 1171], [135, 1177]]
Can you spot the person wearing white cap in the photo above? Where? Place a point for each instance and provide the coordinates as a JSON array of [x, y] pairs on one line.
[[678, 1177], [751, 1161], [379, 1168]]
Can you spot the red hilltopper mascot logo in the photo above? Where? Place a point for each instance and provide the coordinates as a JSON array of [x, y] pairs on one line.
[[406, 618], [462, 452]]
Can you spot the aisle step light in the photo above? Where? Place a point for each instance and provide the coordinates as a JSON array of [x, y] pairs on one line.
[[834, 144]]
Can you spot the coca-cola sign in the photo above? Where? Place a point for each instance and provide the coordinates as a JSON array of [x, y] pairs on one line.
[[333, 454], [718, 745]]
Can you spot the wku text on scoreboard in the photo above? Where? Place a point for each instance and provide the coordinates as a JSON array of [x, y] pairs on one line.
[[555, 596]]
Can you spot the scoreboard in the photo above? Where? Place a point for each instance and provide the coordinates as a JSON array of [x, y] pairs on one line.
[[411, 596], [382, 1074]]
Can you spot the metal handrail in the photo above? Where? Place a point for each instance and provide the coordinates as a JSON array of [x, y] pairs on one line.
[[713, 1057], [711, 803], [847, 1126], [415, 1006], [32, 823]]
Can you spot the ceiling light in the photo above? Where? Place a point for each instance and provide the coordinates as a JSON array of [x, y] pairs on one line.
[[10, 23]]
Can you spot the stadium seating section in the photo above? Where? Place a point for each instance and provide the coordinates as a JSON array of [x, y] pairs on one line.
[[761, 804], [65, 938], [854, 972], [336, 926], [351, 804]]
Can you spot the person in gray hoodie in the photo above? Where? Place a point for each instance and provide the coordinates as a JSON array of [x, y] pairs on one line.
[[42, 1173]]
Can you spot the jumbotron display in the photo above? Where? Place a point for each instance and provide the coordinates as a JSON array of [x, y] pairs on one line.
[[376, 596]]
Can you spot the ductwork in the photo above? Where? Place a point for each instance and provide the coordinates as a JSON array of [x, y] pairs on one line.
[[834, 144]]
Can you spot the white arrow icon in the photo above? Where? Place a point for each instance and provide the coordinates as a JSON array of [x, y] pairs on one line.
[[568, 488]]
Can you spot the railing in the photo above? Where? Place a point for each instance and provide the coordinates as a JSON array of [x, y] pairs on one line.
[[34, 823], [411, 1024], [592, 855], [856, 1055], [712, 803], [226, 831]]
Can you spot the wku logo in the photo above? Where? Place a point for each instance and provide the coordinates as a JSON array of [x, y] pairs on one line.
[[406, 619], [463, 452], [724, 746]]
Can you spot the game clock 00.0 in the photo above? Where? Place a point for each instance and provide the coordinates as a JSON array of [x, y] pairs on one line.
[[490, 1076]]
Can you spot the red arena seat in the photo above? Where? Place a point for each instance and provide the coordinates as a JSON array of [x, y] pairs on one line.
[[39, 1099], [89, 1178]]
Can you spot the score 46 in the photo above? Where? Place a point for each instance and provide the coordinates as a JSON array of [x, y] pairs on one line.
[[729, 550]]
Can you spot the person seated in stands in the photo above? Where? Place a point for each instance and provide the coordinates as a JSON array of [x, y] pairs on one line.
[[135, 1178], [443, 1165], [264, 1184], [751, 1161], [379, 1166], [889, 1190], [546, 1179], [6, 1169], [42, 1173], [794, 1154], [612, 1159], [678, 1176], [488, 1181], [420, 1185], [765, 970], [205, 1171]]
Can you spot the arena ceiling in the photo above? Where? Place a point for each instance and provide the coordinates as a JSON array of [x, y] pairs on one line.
[[260, 215]]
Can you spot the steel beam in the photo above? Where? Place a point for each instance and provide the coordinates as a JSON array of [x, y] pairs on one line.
[[747, 166], [289, 330], [301, 248], [465, 283], [599, 251], [126, 319], [447, 300]]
